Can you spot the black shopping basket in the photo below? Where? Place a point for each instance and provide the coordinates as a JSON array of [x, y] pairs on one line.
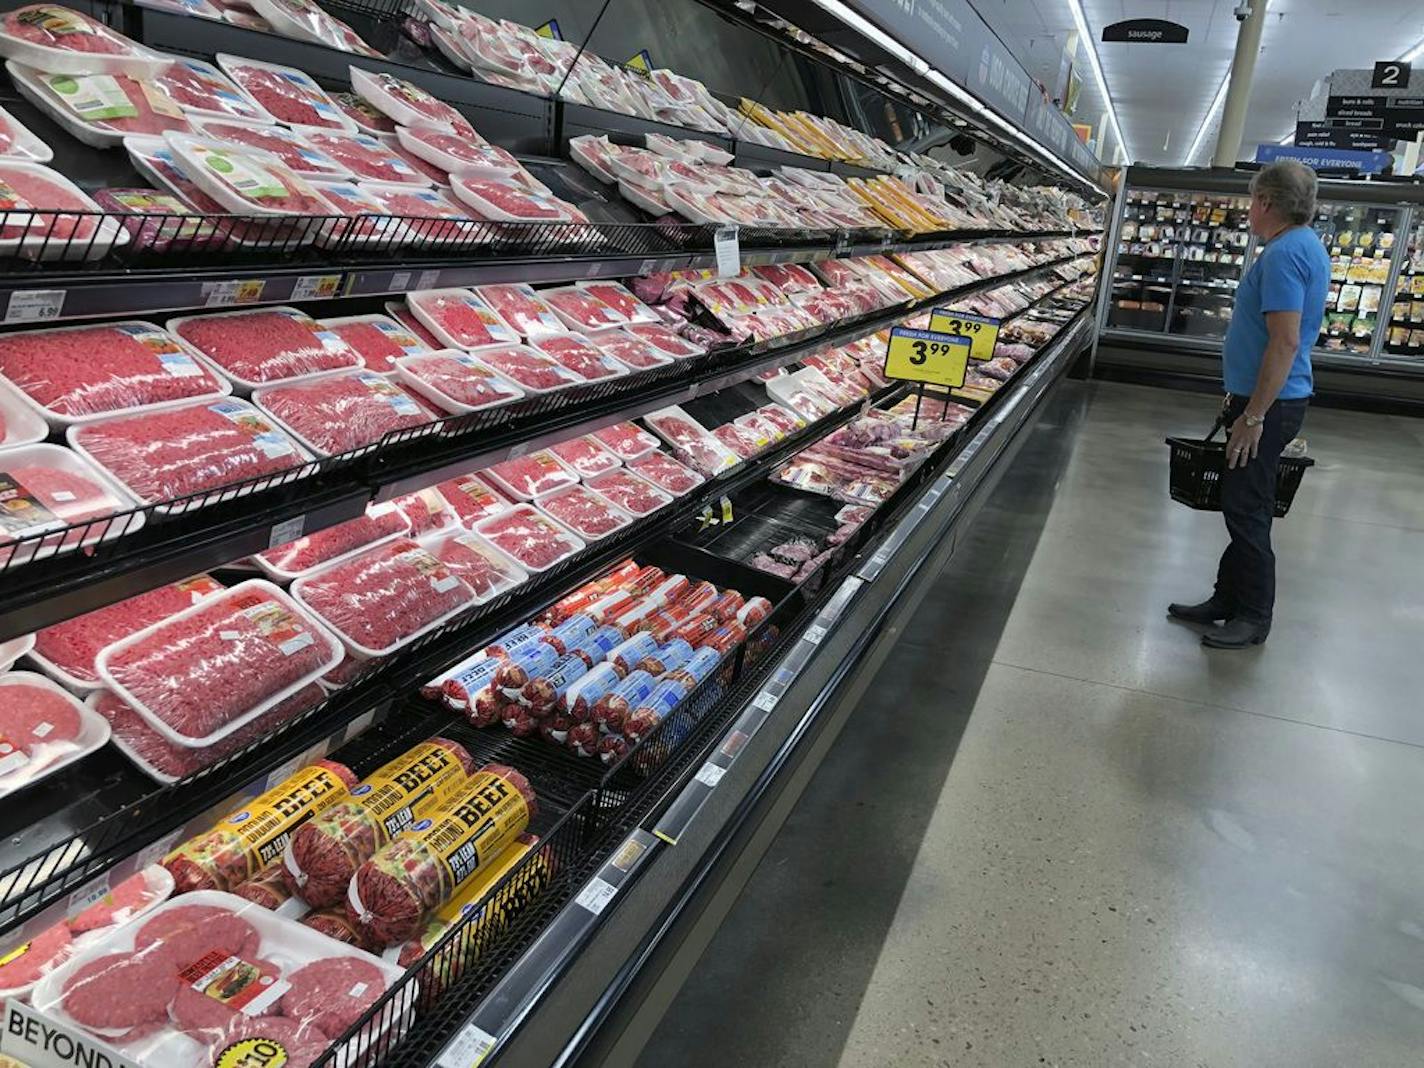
[[1197, 467]]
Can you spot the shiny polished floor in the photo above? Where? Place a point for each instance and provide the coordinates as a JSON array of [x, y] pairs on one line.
[[1057, 831]]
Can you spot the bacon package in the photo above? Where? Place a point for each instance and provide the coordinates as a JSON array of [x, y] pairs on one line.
[[455, 381], [519, 306], [586, 513], [379, 339], [587, 456], [666, 473], [384, 598], [337, 413], [266, 345], [459, 318], [380, 523], [530, 475], [535, 541], [201, 674]]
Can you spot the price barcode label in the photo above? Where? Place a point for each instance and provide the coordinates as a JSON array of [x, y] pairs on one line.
[[400, 281], [469, 1049], [316, 287], [727, 244], [710, 775], [88, 894], [34, 305], [596, 895], [766, 701], [427, 280], [815, 633], [285, 531], [241, 291]]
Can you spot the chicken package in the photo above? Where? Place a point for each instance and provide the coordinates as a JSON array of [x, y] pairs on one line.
[[627, 441], [628, 349], [531, 475], [460, 319], [581, 310], [579, 355], [531, 538], [587, 456], [589, 515], [394, 891], [455, 381], [384, 598], [472, 498], [666, 473], [529, 368], [323, 854], [261, 346], [199, 675], [287, 94], [381, 522], [47, 488], [483, 568], [520, 307], [378, 339], [174, 453], [691, 441]]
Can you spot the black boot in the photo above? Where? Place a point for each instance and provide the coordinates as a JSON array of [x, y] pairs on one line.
[[1209, 611], [1236, 634]]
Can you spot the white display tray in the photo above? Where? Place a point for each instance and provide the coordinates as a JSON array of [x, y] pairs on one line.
[[93, 733]]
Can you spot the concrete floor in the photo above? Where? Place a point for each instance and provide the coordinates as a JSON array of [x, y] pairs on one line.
[[1059, 832]]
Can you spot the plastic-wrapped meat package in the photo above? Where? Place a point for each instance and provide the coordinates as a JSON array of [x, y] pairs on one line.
[[586, 455], [200, 675], [367, 118], [665, 340], [456, 381], [304, 20], [739, 439], [627, 441], [460, 319], [579, 355], [580, 309], [47, 487], [155, 159], [44, 727], [266, 345], [535, 541], [484, 568], [167, 761], [529, 369], [438, 175], [406, 104], [520, 307], [472, 498], [385, 597], [337, 413], [587, 514], [100, 109], [378, 339], [1002, 368], [77, 373], [426, 511], [635, 352], [448, 150], [401, 314], [366, 157], [432, 217], [201, 89], [288, 94], [27, 188], [367, 223], [380, 523], [161, 222], [531, 475], [247, 180], [691, 441], [666, 473], [71, 40], [295, 152], [784, 419], [19, 142], [592, 154], [617, 297], [505, 200], [68, 651], [629, 492]]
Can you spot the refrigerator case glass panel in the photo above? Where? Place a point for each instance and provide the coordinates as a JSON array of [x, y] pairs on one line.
[[1404, 333], [1213, 248], [1360, 239]]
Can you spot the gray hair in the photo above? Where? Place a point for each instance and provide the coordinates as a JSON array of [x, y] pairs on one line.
[[1289, 186]]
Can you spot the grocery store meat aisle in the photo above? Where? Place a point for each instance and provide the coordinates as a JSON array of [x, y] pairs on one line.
[[1058, 832]]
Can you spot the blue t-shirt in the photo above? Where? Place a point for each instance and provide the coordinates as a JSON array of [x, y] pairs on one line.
[[1290, 273]]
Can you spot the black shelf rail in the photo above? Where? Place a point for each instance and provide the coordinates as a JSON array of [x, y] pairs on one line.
[[55, 574], [103, 820]]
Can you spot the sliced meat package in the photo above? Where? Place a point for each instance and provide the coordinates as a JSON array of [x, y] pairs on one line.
[[636, 352], [741, 440], [627, 441], [288, 94], [200, 675], [460, 319], [337, 413], [379, 339], [588, 514], [579, 355], [48, 488], [629, 491], [385, 597], [394, 891], [266, 345], [666, 473], [535, 541], [43, 727], [75, 374], [472, 498], [484, 568], [531, 369], [691, 441], [519, 306], [293, 559], [172, 453], [531, 475], [581, 310], [587, 456], [455, 381]]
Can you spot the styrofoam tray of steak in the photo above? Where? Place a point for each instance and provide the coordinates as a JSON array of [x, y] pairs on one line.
[[580, 309], [618, 297], [666, 473], [341, 412], [579, 355], [532, 370], [526, 477], [263, 346], [628, 349], [629, 491], [665, 340], [626, 440], [460, 319], [535, 541], [472, 498], [586, 455], [43, 727]]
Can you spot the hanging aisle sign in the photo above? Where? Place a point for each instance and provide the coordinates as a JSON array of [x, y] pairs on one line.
[[981, 330], [927, 357], [1146, 31]]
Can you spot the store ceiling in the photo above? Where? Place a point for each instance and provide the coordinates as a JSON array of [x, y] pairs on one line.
[[1162, 92]]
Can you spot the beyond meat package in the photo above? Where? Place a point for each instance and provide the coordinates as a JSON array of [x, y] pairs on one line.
[[211, 979]]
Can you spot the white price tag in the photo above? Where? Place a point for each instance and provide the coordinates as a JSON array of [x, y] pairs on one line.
[[427, 280], [34, 305], [766, 701], [729, 252], [286, 771], [710, 775], [815, 633], [647, 266], [400, 281], [221, 294], [596, 895], [316, 287], [86, 895], [469, 1049], [285, 531], [151, 854], [519, 448]]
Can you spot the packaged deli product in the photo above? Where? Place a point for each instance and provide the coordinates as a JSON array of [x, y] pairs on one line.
[[456, 382], [531, 475], [43, 727], [323, 854], [379, 339], [535, 541], [519, 305], [265, 345], [198, 676], [246, 840], [587, 456], [459, 318], [381, 523], [394, 891], [339, 412]]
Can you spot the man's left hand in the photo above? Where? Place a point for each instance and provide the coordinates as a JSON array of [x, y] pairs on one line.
[[1243, 443]]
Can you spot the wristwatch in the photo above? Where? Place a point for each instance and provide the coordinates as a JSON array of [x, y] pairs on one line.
[[1253, 421]]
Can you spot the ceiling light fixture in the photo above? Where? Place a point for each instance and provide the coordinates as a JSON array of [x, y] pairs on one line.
[[1085, 39], [1413, 54], [1216, 103]]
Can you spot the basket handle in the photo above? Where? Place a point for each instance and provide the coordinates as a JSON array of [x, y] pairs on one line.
[[1216, 425]]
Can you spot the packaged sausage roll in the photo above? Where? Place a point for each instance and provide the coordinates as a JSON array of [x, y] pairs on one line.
[[323, 853], [725, 638], [727, 605], [506, 644], [755, 610], [610, 710], [267, 888], [597, 644], [334, 923], [655, 708], [667, 658], [540, 694], [395, 890], [580, 698], [247, 840], [569, 632], [698, 666], [460, 688], [526, 662], [696, 629], [627, 655]]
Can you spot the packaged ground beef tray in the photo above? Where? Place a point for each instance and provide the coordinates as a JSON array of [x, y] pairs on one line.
[[360, 112], [63, 40], [366, 157], [427, 511], [381, 523], [406, 104], [627, 441], [531, 538], [617, 296], [203, 91], [433, 219], [666, 473], [165, 761], [484, 568], [586, 455], [456, 381], [395, 890], [579, 355], [68, 651], [530, 369], [437, 175], [18, 142], [367, 223], [337, 413], [174, 453], [506, 200], [49, 488], [324, 853], [446, 149], [460, 319], [384, 598], [588, 514], [80, 373], [581, 310], [35, 223], [13, 648], [305, 20], [379, 339], [472, 498], [202, 674], [627, 349], [528, 476], [519, 306], [247, 181], [211, 979], [162, 222], [289, 95], [629, 491], [298, 154], [43, 728], [266, 345], [99, 109]]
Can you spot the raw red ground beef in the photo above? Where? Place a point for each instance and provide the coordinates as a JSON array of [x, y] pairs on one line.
[[617, 297], [169, 454], [401, 313], [301, 1043], [528, 537], [99, 369], [383, 596], [460, 146], [183, 933], [528, 476], [178, 761], [627, 440], [513, 201], [586, 455], [363, 114], [146, 121], [665, 340], [585, 513], [474, 563], [195, 85], [366, 157], [45, 952], [59, 27], [159, 222], [417, 99], [120, 990], [629, 492], [268, 345], [297, 197], [528, 368], [342, 412], [289, 147], [313, 550], [32, 206], [521, 308], [463, 316], [578, 355], [62, 496], [739, 439], [420, 206], [581, 309], [117, 906], [162, 161], [462, 379], [633, 351], [426, 510], [232, 654], [288, 96], [73, 646], [472, 498], [332, 994], [438, 175], [379, 340], [666, 473]]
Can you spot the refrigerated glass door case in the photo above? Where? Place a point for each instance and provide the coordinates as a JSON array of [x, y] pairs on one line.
[[1361, 240]]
